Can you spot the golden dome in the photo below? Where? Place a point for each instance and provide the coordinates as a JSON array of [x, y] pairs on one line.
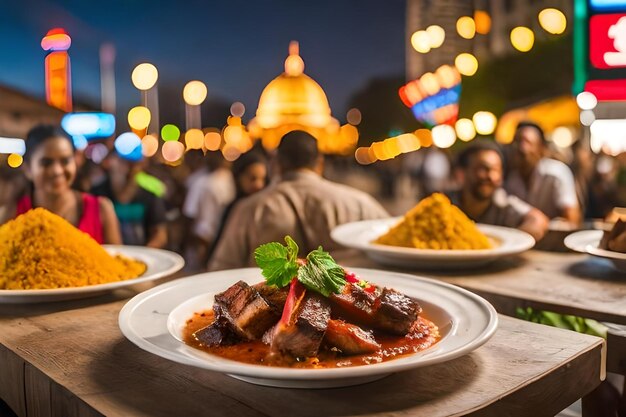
[[294, 101]]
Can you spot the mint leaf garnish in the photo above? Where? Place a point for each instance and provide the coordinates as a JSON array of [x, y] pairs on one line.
[[278, 263], [321, 273]]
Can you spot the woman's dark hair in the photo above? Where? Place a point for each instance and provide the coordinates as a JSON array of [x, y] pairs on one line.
[[41, 133], [247, 159]]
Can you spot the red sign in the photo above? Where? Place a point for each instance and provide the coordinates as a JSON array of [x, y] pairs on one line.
[[607, 40], [607, 90]]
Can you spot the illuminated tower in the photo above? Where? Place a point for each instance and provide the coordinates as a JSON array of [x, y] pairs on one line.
[[58, 74]]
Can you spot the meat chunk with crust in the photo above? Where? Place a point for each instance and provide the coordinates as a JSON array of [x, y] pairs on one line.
[[391, 311], [247, 312], [350, 338], [302, 327]]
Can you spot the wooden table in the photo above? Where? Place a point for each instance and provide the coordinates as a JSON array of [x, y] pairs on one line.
[[70, 359]]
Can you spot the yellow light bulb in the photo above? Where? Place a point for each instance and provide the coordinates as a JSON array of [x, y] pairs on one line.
[[139, 117], [485, 122], [465, 129], [194, 93], [421, 41], [144, 76], [552, 21], [467, 64], [522, 38], [466, 27]]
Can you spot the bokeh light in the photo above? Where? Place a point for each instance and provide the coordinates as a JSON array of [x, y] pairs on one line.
[[172, 151], [408, 142], [562, 137], [194, 139], [466, 63], [465, 129], [80, 142], [466, 27], [170, 132], [354, 116], [212, 141], [553, 21], [139, 118], [444, 136], [436, 35], [447, 76], [15, 160], [484, 122], [430, 83], [128, 146], [421, 41], [237, 109], [194, 93], [587, 117], [522, 38], [425, 137], [149, 145], [230, 152], [362, 155], [482, 21], [144, 76], [586, 100], [98, 152]]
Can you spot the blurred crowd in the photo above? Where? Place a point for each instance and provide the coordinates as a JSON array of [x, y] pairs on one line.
[[216, 212]]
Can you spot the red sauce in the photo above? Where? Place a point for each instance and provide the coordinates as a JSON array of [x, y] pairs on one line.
[[424, 335]]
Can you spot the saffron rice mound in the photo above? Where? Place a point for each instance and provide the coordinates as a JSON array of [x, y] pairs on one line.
[[40, 250], [435, 223]]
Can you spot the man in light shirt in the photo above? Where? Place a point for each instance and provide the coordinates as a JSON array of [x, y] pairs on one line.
[[204, 204], [302, 204], [542, 182], [482, 197]]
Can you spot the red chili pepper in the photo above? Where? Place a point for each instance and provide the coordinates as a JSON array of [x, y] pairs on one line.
[[370, 288], [350, 277]]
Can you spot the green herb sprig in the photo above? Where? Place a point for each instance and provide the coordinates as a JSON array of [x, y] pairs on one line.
[[279, 265]]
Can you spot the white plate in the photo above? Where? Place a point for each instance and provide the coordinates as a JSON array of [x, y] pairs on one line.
[[360, 235], [153, 321], [587, 241], [159, 263]]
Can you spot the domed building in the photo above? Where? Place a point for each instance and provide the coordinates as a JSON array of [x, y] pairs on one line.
[[294, 101]]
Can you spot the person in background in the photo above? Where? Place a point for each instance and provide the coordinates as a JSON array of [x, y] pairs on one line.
[[138, 201], [301, 204], [204, 205], [50, 165], [482, 198], [12, 185], [544, 183], [250, 175]]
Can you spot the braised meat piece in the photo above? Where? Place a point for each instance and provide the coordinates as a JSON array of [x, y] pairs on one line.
[[247, 312], [391, 312], [350, 338], [395, 312], [273, 295], [218, 333], [305, 318]]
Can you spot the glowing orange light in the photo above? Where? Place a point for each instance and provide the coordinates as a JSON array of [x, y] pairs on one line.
[[212, 141], [149, 145], [425, 137], [194, 139], [57, 69], [482, 21]]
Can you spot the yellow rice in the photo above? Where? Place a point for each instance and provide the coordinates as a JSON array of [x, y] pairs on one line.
[[41, 250], [435, 223]]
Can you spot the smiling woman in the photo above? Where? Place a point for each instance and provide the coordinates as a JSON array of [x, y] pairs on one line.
[[50, 166]]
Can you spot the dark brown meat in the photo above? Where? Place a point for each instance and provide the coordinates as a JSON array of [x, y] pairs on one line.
[[246, 311], [218, 333], [395, 312], [350, 338], [305, 318], [273, 295], [392, 312]]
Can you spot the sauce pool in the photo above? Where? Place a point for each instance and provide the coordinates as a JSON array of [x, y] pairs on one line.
[[423, 335]]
